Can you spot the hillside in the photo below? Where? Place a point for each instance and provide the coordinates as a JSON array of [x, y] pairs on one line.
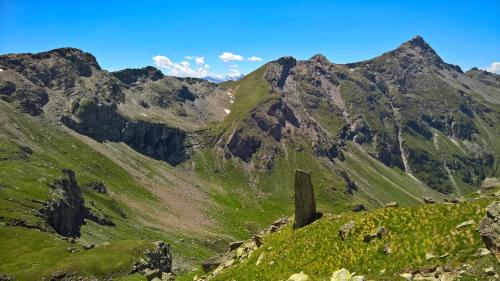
[[436, 241], [199, 165]]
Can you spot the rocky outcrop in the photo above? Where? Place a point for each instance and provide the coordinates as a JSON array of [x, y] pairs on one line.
[[243, 145], [305, 204], [98, 187], [65, 211], [278, 72], [130, 76], [28, 100], [102, 122], [489, 229], [350, 185], [157, 261]]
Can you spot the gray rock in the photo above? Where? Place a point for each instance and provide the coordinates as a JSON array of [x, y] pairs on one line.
[[305, 204], [87, 245], [151, 274], [387, 249], [159, 259], [382, 232], [345, 230], [213, 262], [392, 204], [235, 245], [257, 240], [369, 237], [489, 271], [489, 229], [429, 200], [481, 252]]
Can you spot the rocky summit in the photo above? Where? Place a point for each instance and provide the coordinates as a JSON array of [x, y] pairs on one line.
[[137, 175]]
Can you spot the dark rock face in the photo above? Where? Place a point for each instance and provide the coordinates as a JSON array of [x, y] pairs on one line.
[[305, 204], [350, 185], [279, 71], [28, 100], [103, 123], [65, 212], [130, 76], [159, 259], [243, 146], [489, 229], [98, 218]]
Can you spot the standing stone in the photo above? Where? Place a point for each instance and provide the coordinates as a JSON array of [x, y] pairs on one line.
[[305, 205]]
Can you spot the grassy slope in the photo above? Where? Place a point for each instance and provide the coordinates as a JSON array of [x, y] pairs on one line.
[[249, 92], [25, 179], [380, 184], [414, 231]]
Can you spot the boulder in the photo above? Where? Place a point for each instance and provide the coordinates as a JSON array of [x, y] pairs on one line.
[[305, 204], [359, 208], [489, 229], [382, 232], [345, 230], [429, 200], [392, 204], [212, 263], [235, 245], [278, 224], [151, 274], [299, 277]]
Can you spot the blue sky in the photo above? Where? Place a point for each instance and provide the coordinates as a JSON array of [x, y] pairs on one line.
[[131, 33]]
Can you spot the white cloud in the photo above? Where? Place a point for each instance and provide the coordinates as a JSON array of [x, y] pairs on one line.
[[494, 67], [254, 58], [188, 57], [200, 60], [181, 69], [234, 72], [184, 70], [227, 56], [162, 62]]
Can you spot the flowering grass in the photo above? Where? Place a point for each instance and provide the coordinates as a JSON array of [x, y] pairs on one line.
[[317, 249]]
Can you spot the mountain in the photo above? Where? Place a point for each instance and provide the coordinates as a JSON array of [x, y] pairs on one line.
[[215, 79], [138, 156]]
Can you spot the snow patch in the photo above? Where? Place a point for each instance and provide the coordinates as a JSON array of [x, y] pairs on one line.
[[227, 110], [144, 114]]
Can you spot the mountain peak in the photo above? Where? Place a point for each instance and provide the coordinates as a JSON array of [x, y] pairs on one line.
[[419, 45]]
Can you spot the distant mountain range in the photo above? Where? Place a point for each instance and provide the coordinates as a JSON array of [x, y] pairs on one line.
[[215, 79]]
